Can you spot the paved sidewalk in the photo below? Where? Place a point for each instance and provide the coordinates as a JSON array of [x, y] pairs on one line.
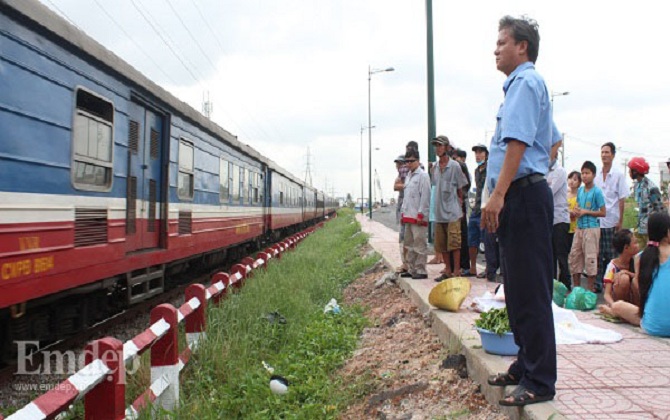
[[626, 380]]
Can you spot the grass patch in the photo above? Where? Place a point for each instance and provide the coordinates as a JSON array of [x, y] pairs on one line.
[[629, 214], [226, 379]]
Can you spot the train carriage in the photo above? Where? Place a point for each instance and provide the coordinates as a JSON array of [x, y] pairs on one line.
[[309, 204], [285, 203], [108, 184]]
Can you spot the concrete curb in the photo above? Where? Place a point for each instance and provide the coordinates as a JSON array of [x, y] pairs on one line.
[[455, 332]]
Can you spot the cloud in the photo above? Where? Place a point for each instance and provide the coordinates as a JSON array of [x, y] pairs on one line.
[[289, 75]]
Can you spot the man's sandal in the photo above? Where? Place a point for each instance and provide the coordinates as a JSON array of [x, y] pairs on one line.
[[523, 396], [503, 379]]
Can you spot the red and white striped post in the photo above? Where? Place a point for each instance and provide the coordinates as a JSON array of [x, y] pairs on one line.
[[196, 322], [165, 357], [272, 252], [108, 399], [238, 273], [220, 282], [278, 250], [263, 256], [250, 264]]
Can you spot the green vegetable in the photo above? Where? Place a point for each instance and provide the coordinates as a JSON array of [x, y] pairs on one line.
[[495, 320]]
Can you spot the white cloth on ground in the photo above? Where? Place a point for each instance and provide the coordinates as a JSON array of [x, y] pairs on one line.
[[569, 329]]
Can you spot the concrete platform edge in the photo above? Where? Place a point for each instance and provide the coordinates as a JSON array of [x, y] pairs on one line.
[[456, 334]]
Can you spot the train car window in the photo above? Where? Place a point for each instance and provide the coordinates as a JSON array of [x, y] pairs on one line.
[[93, 141], [224, 181], [253, 192], [185, 178], [256, 184], [235, 183], [261, 188], [243, 190]]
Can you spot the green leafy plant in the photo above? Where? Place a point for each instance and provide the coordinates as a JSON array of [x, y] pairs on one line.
[[494, 320]]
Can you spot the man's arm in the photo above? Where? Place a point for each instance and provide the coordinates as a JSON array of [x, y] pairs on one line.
[[424, 201], [513, 156], [559, 183], [398, 185], [601, 212]]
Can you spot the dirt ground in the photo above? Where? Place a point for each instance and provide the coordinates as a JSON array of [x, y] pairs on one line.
[[413, 374]]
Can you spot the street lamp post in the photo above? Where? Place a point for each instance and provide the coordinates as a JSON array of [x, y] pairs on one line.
[[362, 197], [554, 94], [370, 73]]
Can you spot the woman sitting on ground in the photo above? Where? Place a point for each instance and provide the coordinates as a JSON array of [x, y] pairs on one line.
[[620, 272], [653, 314]]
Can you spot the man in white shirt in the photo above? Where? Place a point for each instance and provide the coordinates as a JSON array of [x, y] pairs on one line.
[[557, 179], [615, 188]]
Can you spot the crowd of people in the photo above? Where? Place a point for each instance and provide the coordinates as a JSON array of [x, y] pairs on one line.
[[537, 222]]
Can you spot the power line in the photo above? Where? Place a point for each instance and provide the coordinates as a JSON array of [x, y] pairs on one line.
[[163, 39], [191, 35], [216, 38], [167, 76], [619, 149], [258, 125], [63, 14]]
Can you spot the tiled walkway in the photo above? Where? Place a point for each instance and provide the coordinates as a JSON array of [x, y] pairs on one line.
[[626, 380]]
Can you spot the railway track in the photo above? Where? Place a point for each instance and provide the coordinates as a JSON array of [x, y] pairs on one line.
[[22, 380], [100, 329]]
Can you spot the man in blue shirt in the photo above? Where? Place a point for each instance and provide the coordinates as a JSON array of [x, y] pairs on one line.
[[520, 208]]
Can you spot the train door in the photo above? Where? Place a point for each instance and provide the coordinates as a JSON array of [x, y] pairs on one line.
[[266, 198], [145, 189]]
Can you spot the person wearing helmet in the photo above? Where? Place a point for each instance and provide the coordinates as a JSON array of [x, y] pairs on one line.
[[647, 195]]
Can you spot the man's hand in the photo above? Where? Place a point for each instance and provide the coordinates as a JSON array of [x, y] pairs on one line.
[[491, 213]]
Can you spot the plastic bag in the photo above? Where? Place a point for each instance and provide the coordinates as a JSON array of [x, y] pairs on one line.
[[581, 299], [559, 293], [450, 293], [332, 307]]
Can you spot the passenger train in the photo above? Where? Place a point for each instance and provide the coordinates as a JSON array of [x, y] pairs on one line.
[[110, 187]]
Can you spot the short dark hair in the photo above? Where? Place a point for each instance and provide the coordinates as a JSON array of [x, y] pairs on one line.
[[412, 153], [622, 238], [611, 146], [412, 145], [575, 173], [461, 153], [590, 166], [523, 29]]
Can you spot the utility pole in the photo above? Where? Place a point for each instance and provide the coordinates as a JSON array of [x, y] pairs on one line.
[[562, 149], [207, 106], [308, 169], [432, 131]]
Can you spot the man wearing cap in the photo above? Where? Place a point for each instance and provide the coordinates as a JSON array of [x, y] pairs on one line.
[[459, 156], [475, 233], [415, 207], [399, 186], [448, 179]]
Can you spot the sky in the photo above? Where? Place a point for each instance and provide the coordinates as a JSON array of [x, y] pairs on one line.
[[290, 77]]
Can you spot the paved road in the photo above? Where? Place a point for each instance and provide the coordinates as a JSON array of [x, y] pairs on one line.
[[386, 216]]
